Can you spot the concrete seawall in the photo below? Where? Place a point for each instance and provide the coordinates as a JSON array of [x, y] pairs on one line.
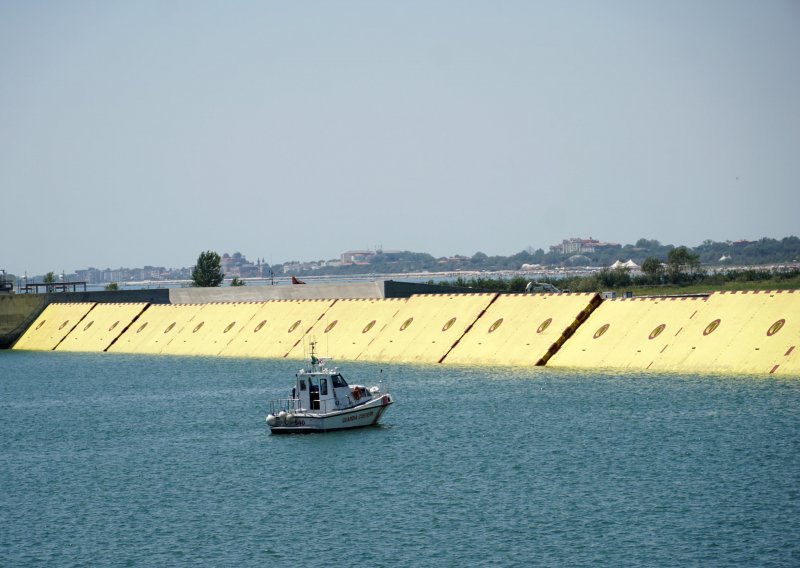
[[756, 333]]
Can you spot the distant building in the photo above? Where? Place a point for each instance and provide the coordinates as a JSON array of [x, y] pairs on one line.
[[237, 265], [95, 276], [295, 267], [582, 246], [457, 259], [357, 256]]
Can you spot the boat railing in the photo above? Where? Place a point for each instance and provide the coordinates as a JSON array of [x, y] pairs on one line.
[[322, 406], [285, 404], [293, 405]]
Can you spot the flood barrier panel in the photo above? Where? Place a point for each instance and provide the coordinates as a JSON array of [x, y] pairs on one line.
[[427, 327], [522, 329], [739, 332], [755, 332], [101, 326], [276, 329], [626, 333], [52, 326], [212, 328], [348, 327], [155, 328]]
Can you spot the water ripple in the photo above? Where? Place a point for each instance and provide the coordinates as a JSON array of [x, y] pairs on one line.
[[129, 461]]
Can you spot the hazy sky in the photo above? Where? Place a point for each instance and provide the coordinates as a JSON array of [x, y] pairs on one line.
[[136, 133]]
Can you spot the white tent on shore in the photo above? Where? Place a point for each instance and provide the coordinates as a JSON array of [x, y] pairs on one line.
[[630, 265]]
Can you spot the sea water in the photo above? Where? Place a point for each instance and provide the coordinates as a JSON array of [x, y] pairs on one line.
[[116, 460]]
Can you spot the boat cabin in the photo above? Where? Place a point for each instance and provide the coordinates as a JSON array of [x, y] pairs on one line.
[[324, 391]]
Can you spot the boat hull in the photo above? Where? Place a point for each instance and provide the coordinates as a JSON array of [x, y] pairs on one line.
[[357, 417]]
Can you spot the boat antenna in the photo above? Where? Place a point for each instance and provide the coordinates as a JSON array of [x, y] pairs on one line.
[[312, 344]]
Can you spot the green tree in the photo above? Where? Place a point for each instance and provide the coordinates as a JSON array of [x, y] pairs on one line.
[[653, 269], [237, 281], [614, 278], [50, 278], [113, 286], [208, 272], [682, 264], [647, 244]]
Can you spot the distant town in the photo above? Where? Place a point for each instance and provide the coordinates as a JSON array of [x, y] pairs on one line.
[[570, 254]]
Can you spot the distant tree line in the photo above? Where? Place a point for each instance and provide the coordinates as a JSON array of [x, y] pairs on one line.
[[660, 264], [682, 267], [710, 254], [682, 271]]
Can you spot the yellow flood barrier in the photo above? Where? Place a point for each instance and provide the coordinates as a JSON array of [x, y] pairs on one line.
[[155, 328], [52, 326], [427, 327], [522, 329], [349, 326], [627, 333], [744, 332], [103, 324], [276, 328], [211, 328]]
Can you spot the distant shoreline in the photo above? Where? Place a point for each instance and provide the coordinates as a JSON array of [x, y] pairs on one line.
[[553, 273]]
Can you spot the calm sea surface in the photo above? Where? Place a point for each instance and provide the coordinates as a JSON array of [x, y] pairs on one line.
[[157, 461]]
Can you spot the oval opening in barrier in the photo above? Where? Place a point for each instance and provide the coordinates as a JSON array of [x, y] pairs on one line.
[[601, 330], [230, 326], [259, 326], [294, 326], [712, 327], [141, 327], [113, 325], [41, 323], [88, 325], [495, 325], [406, 324], [63, 325], [169, 327], [198, 326], [775, 327], [449, 324], [657, 331], [544, 325], [368, 326], [331, 326]]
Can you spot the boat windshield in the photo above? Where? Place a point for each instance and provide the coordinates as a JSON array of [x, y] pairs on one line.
[[338, 381]]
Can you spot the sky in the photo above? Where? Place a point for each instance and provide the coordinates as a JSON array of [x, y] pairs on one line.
[[143, 133]]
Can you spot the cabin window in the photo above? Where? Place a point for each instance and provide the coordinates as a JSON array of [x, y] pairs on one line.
[[302, 385], [338, 381], [323, 387]]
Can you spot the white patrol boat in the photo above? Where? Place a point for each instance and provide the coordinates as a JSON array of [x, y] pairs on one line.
[[322, 401]]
